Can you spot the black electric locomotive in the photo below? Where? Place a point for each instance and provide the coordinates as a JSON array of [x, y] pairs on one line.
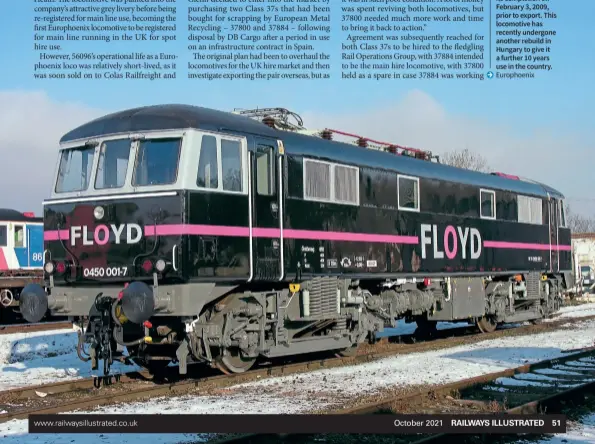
[[187, 234]]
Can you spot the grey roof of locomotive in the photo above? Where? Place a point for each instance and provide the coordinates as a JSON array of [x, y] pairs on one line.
[[8, 215], [174, 116]]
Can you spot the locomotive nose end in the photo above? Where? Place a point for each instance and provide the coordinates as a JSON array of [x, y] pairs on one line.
[[33, 303], [138, 303]]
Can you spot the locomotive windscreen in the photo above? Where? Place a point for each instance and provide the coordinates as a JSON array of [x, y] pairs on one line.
[[75, 169], [155, 163], [113, 164]]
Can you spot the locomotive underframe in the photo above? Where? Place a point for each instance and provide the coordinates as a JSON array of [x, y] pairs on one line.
[[236, 325]]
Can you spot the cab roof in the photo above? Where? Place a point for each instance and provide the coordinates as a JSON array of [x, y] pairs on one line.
[[8, 215]]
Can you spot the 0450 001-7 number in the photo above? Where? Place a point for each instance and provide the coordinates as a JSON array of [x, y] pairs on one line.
[[105, 272]]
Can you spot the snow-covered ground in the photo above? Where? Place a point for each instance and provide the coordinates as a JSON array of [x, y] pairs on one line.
[[39, 357], [324, 388], [584, 433], [575, 311]]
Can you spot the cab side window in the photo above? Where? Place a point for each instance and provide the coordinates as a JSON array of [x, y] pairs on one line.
[[19, 236], [221, 165], [265, 170], [3, 236], [231, 165], [208, 167]]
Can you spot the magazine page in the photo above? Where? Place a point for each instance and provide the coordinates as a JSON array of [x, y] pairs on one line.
[[222, 207]]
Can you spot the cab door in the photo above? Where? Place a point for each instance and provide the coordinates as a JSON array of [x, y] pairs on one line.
[[35, 245], [267, 209], [554, 253]]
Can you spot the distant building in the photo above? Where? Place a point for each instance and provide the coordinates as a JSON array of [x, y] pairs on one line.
[[583, 258]]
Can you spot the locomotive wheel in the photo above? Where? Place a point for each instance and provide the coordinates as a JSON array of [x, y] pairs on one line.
[[231, 361], [487, 324]]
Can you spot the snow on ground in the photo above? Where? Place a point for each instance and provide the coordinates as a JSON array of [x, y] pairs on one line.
[[440, 366], [41, 357], [306, 392], [580, 434], [575, 311]]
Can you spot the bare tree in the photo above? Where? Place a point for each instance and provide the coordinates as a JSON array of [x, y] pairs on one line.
[[578, 223], [466, 159]]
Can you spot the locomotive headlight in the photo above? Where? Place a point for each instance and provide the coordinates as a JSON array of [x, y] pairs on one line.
[[160, 265], [49, 267], [98, 212]]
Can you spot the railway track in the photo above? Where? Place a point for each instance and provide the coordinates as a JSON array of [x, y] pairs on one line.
[[529, 389], [40, 326], [89, 393]]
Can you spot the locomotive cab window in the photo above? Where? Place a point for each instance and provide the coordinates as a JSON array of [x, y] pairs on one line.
[[113, 164], [157, 162], [488, 204], [19, 236], [231, 165], [265, 170], [408, 193], [3, 236], [221, 164], [208, 166], [74, 172]]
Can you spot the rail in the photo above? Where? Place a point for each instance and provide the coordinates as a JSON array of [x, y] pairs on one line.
[[472, 392], [40, 326]]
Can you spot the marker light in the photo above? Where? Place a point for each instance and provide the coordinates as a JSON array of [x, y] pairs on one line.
[[98, 212], [160, 265], [49, 267], [147, 266], [60, 267]]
